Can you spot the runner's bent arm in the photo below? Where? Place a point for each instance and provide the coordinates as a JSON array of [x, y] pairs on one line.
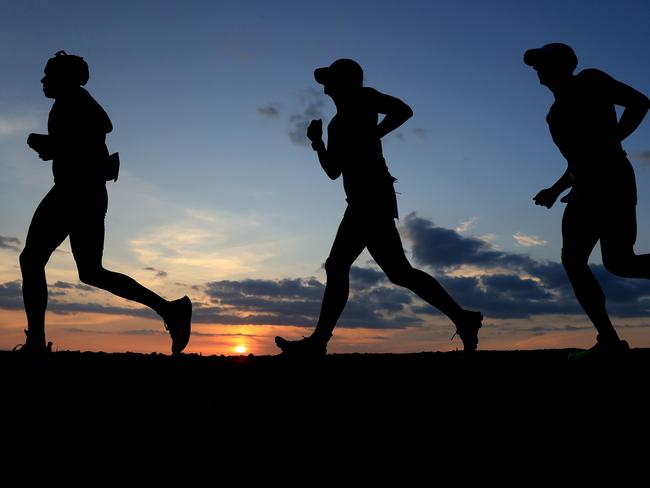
[[547, 197], [397, 112], [315, 135], [636, 106]]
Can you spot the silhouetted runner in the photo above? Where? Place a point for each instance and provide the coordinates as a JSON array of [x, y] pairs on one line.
[[77, 203], [354, 151], [602, 202]]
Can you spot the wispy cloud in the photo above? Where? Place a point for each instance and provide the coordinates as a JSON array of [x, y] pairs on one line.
[[270, 111], [524, 240], [490, 238], [466, 224], [159, 272], [212, 246], [644, 158], [144, 332], [78, 330], [63, 285], [420, 133], [18, 124], [12, 243], [311, 102]]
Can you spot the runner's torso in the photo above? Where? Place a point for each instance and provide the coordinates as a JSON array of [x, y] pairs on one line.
[[354, 144], [77, 126], [584, 126]]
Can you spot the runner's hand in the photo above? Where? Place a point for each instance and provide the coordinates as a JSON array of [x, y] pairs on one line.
[[546, 197], [315, 131], [41, 144]]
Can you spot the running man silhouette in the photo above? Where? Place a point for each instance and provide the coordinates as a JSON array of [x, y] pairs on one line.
[[76, 206], [602, 202], [354, 150]]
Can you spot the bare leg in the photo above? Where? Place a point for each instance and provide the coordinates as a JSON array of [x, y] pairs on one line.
[[347, 246], [386, 248], [87, 242], [579, 236], [48, 229], [122, 286]]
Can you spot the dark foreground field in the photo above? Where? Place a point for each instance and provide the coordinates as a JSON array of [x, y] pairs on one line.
[[491, 391]]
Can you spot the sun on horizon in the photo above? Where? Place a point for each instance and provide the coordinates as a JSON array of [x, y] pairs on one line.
[[240, 349]]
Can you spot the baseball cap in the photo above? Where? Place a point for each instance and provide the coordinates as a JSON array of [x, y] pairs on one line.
[[342, 70], [553, 54]]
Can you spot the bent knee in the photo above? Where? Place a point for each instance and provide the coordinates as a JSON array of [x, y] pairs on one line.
[[400, 277], [336, 267], [30, 259], [25, 258], [90, 276], [573, 260]]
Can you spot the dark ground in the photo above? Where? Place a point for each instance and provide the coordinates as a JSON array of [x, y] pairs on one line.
[[420, 414], [424, 413], [491, 387]]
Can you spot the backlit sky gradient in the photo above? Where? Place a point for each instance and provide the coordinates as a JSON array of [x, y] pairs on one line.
[[220, 199]]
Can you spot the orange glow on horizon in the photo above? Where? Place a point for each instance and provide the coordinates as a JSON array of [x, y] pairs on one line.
[[86, 331]]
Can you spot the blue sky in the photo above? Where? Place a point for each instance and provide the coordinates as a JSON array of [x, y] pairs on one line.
[[202, 96]]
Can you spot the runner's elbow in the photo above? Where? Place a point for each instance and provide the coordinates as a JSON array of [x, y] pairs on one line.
[[408, 112], [645, 103]]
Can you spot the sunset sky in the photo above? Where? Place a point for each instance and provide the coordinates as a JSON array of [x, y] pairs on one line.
[[220, 197]]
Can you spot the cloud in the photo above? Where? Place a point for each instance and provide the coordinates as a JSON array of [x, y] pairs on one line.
[[66, 308], [501, 284], [152, 332], [644, 158], [296, 302], [159, 272], [11, 298], [445, 248], [543, 329], [144, 332], [77, 330], [521, 286], [19, 124], [633, 326], [420, 133], [312, 102], [12, 243], [205, 244], [524, 240], [466, 224], [270, 111], [366, 276], [214, 334], [63, 285], [504, 296], [11, 295]]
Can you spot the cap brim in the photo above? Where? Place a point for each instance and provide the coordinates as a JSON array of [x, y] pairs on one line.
[[322, 75], [535, 57]]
